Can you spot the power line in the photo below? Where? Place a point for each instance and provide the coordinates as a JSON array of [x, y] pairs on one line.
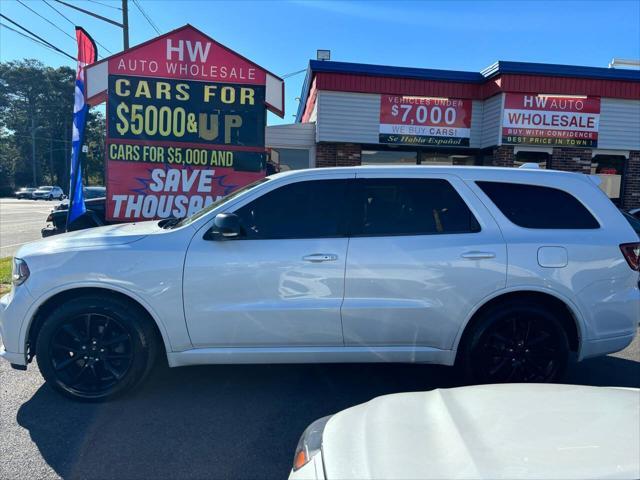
[[105, 4], [292, 74], [24, 35], [72, 23], [89, 12], [45, 19], [59, 13], [144, 14], [28, 37], [38, 37]]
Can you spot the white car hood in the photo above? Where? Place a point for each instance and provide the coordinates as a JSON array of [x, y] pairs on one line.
[[490, 431], [91, 237]]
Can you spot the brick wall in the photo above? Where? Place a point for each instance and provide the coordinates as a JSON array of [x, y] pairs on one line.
[[571, 160], [502, 156], [631, 187], [338, 154]]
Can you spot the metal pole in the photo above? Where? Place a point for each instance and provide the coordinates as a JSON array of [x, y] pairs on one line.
[[53, 182], [33, 148], [67, 154], [125, 23]]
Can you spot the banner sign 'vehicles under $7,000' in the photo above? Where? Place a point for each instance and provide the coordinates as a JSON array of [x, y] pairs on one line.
[[429, 121]]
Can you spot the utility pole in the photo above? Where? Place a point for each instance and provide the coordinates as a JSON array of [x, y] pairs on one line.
[[33, 148], [53, 182], [125, 23], [67, 153]]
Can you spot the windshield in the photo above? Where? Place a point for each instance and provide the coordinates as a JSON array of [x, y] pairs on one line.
[[45, 188], [217, 203], [94, 192]]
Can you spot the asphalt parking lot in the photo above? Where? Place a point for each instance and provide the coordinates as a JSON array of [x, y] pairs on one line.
[[236, 422], [21, 222]]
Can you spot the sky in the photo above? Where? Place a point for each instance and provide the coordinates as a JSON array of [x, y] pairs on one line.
[[283, 35]]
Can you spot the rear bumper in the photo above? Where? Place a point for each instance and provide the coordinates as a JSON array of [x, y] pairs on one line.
[[604, 346], [49, 231]]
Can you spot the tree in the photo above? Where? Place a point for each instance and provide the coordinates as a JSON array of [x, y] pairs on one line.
[[36, 108]]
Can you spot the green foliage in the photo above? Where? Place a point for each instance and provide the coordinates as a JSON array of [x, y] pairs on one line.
[[37, 101], [5, 274]]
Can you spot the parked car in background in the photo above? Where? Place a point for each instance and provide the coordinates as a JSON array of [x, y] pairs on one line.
[[490, 431], [93, 217], [635, 212], [25, 192], [507, 273], [47, 192]]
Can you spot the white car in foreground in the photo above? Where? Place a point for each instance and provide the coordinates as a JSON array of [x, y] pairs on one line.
[[506, 272], [516, 431]]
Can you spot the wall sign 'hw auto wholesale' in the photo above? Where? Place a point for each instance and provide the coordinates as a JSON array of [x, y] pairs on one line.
[[566, 121], [186, 122], [425, 121]]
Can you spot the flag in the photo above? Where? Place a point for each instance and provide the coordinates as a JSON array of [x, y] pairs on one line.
[[87, 54]]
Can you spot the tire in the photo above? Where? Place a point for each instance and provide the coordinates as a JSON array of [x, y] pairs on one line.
[[50, 197], [100, 361], [516, 342]]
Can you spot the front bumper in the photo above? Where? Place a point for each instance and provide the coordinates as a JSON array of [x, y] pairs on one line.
[[13, 312]]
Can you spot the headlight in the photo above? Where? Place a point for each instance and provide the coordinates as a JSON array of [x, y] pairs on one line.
[[20, 271], [310, 443]]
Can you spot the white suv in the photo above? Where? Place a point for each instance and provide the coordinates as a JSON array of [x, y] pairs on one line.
[[502, 271], [47, 192]]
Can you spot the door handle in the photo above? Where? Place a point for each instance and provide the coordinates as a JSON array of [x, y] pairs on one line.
[[478, 255], [320, 257]]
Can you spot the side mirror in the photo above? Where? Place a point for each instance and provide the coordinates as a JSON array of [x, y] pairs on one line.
[[225, 226]]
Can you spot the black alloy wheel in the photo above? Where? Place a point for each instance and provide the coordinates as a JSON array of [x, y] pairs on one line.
[[518, 344], [91, 353], [96, 347]]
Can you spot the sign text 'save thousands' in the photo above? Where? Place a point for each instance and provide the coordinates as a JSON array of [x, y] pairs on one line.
[[550, 120], [186, 122], [425, 121]]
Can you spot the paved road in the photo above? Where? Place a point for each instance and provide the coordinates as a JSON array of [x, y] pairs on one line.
[[236, 422], [20, 222]]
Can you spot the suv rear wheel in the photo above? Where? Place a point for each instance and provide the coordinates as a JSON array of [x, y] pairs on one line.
[[95, 348], [516, 342]]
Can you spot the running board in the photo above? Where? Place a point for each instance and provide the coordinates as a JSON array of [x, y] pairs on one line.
[[334, 354]]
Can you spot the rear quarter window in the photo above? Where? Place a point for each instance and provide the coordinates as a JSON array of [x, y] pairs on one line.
[[533, 206]]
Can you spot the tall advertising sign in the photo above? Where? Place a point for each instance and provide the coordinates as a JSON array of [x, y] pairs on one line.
[[408, 120], [548, 120], [186, 122]]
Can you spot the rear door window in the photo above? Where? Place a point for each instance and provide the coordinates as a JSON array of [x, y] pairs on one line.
[[399, 206], [533, 206]]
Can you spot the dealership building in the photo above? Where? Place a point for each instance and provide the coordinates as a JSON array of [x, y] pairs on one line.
[[572, 118]]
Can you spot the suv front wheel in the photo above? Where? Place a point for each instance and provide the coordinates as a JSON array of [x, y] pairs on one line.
[[96, 347], [516, 342]]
